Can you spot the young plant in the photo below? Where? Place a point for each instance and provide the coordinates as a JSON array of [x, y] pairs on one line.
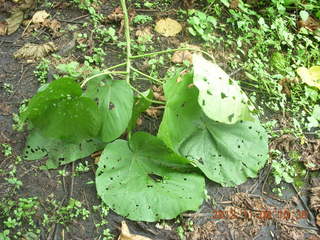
[[208, 125]]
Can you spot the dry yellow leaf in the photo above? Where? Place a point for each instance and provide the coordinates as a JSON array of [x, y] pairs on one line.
[[310, 76], [35, 51], [126, 235], [14, 21], [40, 16], [168, 27]]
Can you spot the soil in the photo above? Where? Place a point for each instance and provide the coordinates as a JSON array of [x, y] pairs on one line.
[[208, 221]]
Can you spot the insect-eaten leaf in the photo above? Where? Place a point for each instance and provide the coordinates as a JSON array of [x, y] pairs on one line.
[[126, 235], [58, 152], [168, 27], [310, 76], [115, 102], [226, 153], [59, 111], [220, 98], [35, 51], [154, 182]]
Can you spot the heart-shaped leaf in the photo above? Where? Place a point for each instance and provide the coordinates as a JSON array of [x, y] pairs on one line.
[[227, 154], [143, 180], [115, 101]]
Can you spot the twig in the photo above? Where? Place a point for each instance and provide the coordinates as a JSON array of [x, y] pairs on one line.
[[304, 205], [72, 181]]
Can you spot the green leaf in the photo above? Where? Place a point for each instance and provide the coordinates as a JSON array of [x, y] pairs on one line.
[[115, 101], [59, 111], [141, 104], [227, 154], [220, 97], [141, 180], [58, 152]]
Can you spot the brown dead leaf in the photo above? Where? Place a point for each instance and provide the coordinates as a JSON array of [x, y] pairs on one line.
[[126, 235], [35, 51], [3, 28], [144, 35], [14, 21], [181, 56], [5, 109], [285, 143], [54, 25], [315, 198], [153, 112], [158, 93], [311, 156], [234, 4], [310, 24], [40, 16], [168, 27]]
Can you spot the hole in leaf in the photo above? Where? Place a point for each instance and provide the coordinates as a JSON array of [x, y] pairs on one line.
[[155, 177], [203, 102], [223, 95], [185, 179], [111, 106], [230, 117]]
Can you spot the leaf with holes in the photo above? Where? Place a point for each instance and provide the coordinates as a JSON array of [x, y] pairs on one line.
[[225, 153], [58, 152], [115, 101], [59, 111], [220, 98], [143, 180]]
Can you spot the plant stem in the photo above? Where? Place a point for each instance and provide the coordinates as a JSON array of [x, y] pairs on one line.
[[172, 50], [127, 35], [145, 75], [146, 98], [105, 72]]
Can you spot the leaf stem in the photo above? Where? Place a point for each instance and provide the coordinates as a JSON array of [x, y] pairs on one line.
[[105, 72], [145, 75]]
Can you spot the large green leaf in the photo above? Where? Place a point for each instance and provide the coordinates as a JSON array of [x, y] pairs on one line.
[[58, 152], [60, 112], [115, 100], [227, 154], [142, 181], [220, 97]]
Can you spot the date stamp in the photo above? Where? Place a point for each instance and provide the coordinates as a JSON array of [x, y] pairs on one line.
[[263, 214]]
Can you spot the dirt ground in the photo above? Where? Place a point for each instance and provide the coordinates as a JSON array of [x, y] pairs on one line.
[[212, 221]]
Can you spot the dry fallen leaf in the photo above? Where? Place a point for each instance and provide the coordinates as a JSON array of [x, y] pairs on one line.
[[315, 198], [16, 9], [168, 27], [310, 76], [40, 16], [181, 56], [144, 35], [14, 22], [126, 235], [311, 24], [35, 51]]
